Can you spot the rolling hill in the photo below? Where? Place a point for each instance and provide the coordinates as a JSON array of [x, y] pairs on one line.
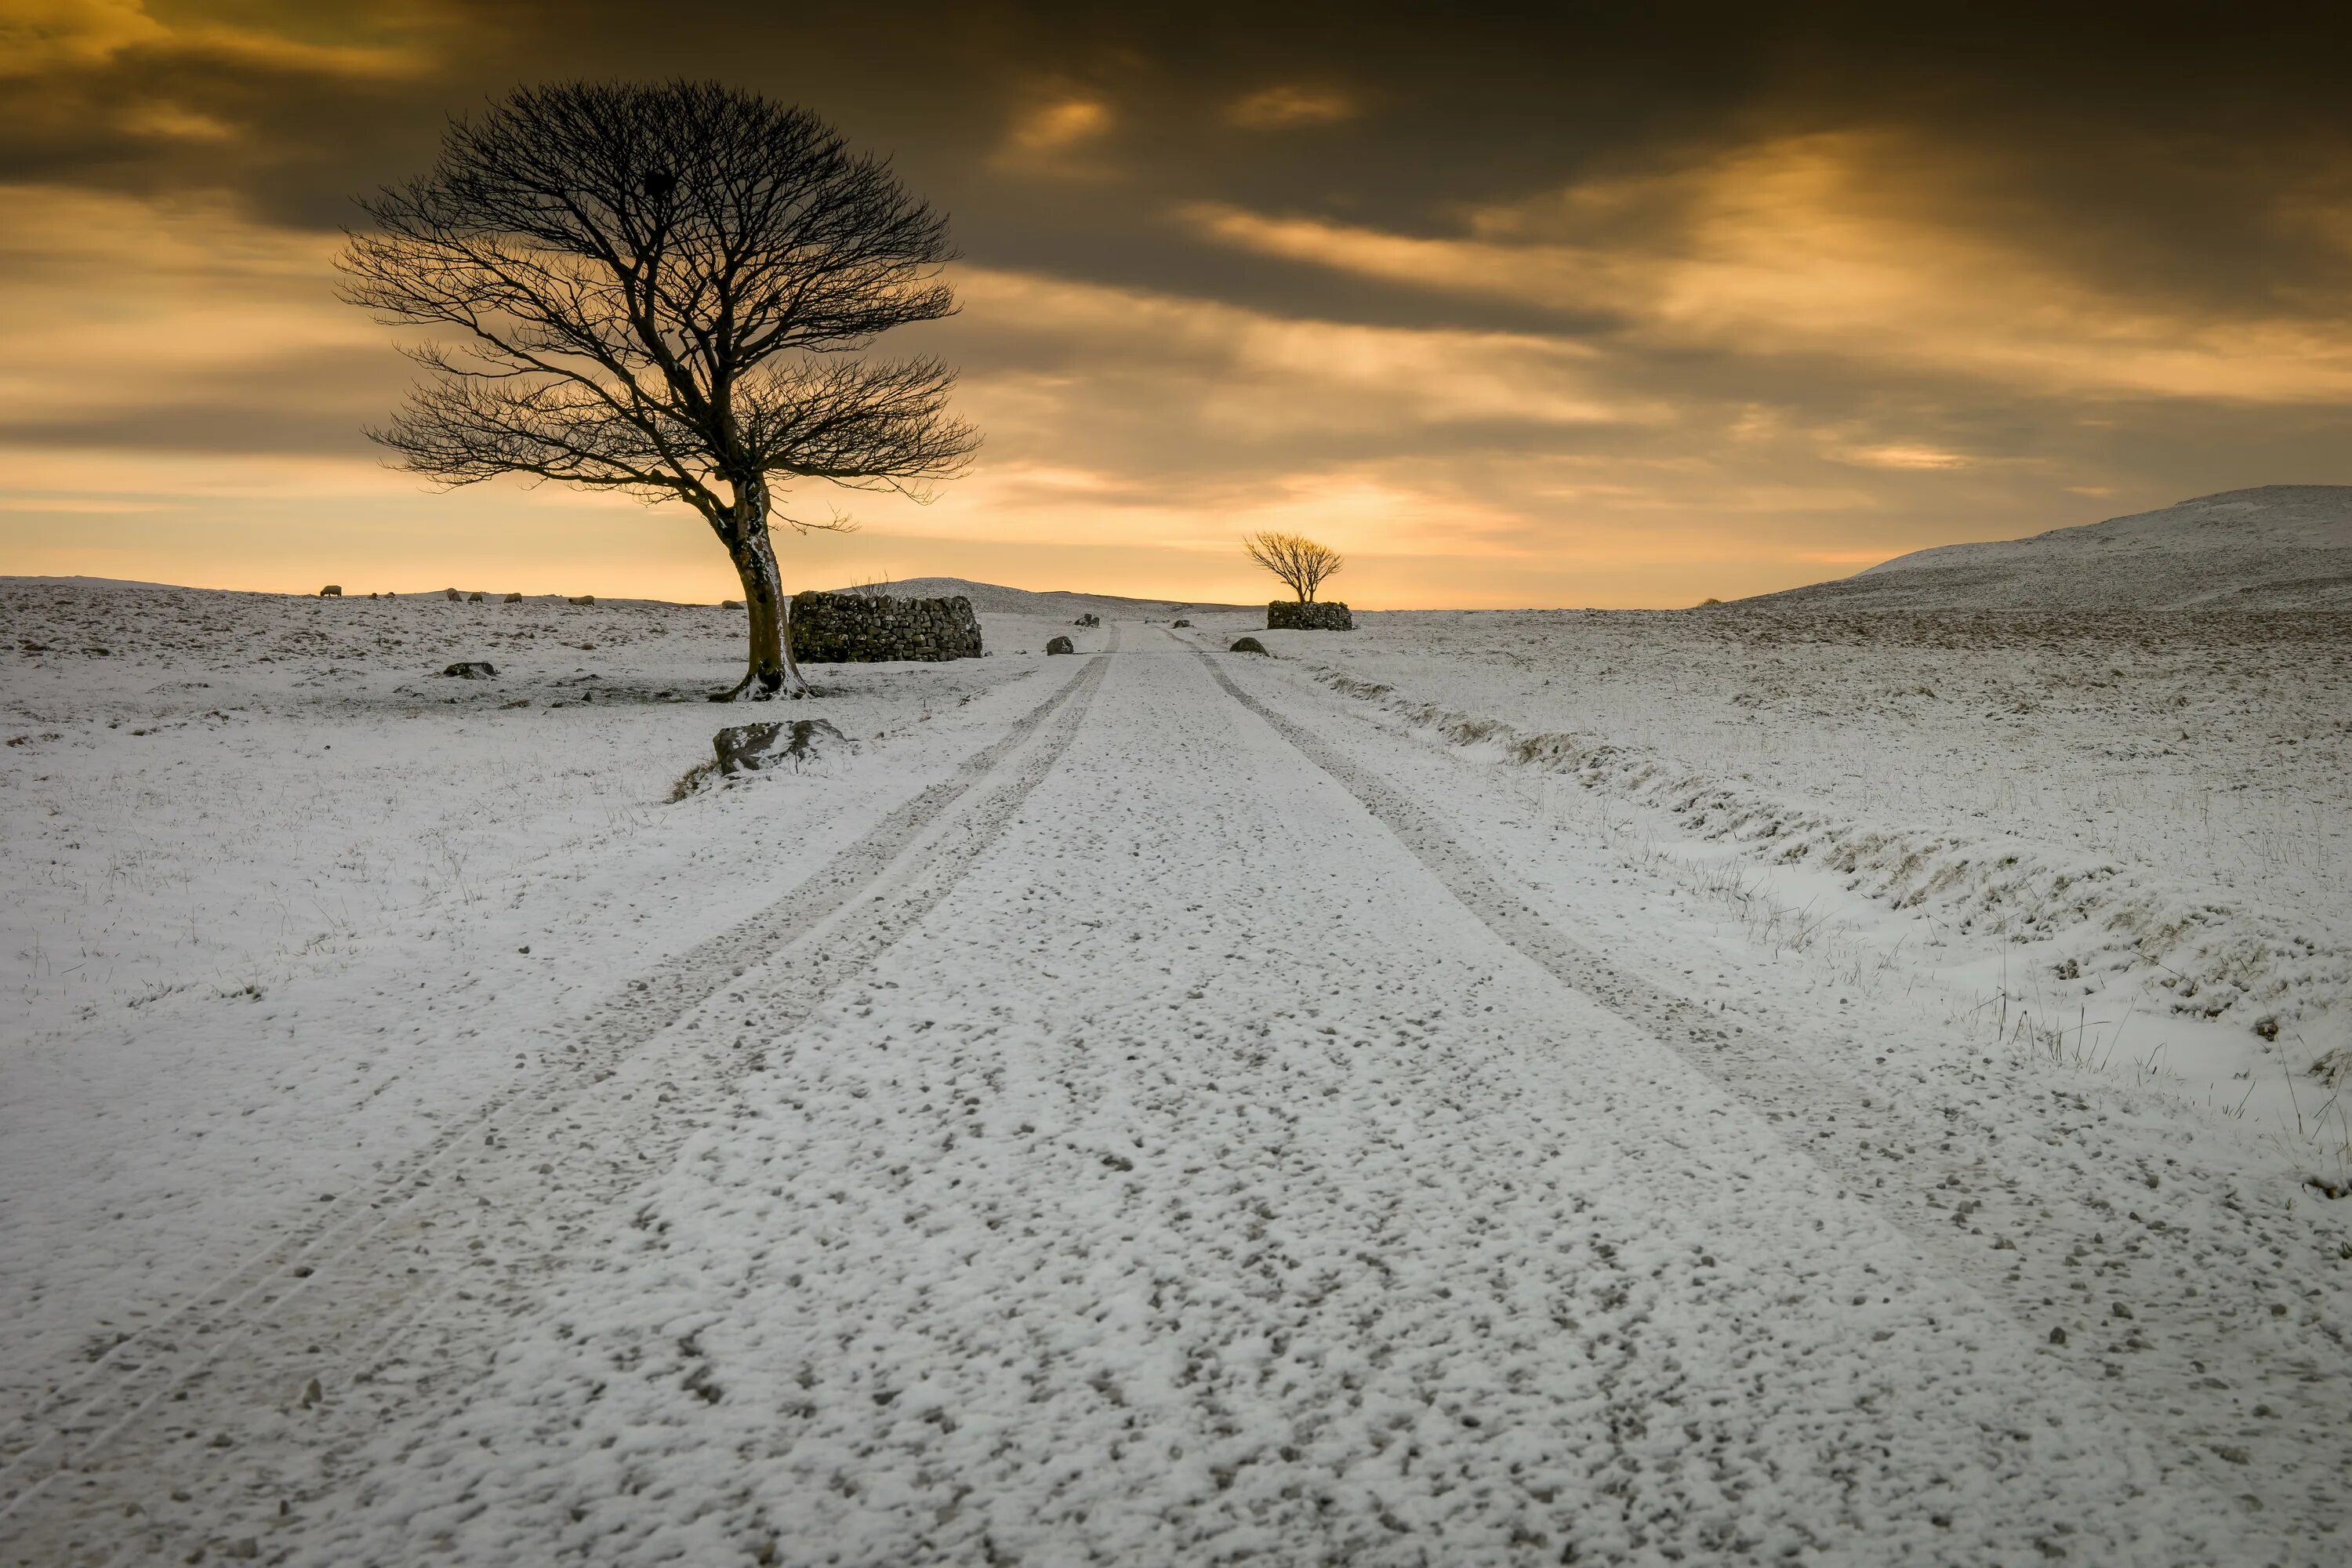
[[2274, 547]]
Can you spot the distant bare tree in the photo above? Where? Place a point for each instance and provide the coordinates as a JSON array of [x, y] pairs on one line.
[[663, 291], [1301, 563]]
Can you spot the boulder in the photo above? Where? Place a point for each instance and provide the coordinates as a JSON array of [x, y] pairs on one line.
[[473, 598], [512, 599], [331, 591], [749, 748], [1290, 615], [1061, 644], [1088, 619], [472, 669], [1179, 622], [582, 599], [451, 595], [1247, 645], [731, 604]]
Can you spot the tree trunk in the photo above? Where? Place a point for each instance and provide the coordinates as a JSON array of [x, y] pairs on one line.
[[770, 667]]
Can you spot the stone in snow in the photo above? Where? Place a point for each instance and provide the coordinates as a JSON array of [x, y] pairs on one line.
[[749, 748], [1061, 644], [472, 669]]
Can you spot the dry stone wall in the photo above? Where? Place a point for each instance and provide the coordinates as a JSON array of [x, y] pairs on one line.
[[852, 629]]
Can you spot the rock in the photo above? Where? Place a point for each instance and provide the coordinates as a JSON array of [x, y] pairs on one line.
[[1247, 645], [1089, 619], [2057, 1336], [750, 747], [1179, 622], [731, 604], [473, 598], [512, 599], [451, 595], [1290, 615], [582, 599], [1061, 644], [472, 669], [331, 591]]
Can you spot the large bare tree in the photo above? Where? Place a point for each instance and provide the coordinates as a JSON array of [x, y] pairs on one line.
[[666, 291], [1301, 563]]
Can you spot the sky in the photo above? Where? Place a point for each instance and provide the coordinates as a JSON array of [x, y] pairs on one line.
[[1623, 307]]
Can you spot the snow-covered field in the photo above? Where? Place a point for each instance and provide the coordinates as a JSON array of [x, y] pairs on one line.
[[1485, 1088], [2120, 838]]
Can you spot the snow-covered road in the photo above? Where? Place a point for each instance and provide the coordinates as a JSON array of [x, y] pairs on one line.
[[1165, 1141]]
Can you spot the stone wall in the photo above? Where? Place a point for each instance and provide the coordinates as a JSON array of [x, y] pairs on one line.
[[1290, 615], [851, 628]]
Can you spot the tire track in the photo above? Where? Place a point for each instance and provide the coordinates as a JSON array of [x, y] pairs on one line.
[[78, 1423], [1954, 1189]]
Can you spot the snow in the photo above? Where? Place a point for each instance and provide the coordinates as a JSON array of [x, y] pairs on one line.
[[2275, 547], [2133, 834], [1158, 1106]]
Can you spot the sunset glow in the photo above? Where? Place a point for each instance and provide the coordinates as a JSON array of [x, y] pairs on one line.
[[1501, 344]]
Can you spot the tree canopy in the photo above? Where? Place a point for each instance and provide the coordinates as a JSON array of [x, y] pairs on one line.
[[666, 291], [1300, 563]]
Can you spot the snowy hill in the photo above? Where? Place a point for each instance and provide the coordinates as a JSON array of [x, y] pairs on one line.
[[2275, 547], [990, 599]]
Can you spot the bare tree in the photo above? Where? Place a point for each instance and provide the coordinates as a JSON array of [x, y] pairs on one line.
[[1300, 563], [665, 290]]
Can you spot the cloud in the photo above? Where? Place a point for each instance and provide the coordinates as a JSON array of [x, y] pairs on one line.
[[122, 300], [1633, 314], [1828, 245], [1899, 456], [38, 36], [1058, 126], [1286, 104], [1058, 136], [1259, 377]]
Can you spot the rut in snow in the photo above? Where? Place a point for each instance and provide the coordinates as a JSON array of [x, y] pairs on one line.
[[2189, 1361]]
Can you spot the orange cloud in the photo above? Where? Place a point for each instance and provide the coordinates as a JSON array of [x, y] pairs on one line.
[[1899, 456], [1266, 374], [1827, 245], [118, 302], [41, 36], [1058, 136], [1284, 105]]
